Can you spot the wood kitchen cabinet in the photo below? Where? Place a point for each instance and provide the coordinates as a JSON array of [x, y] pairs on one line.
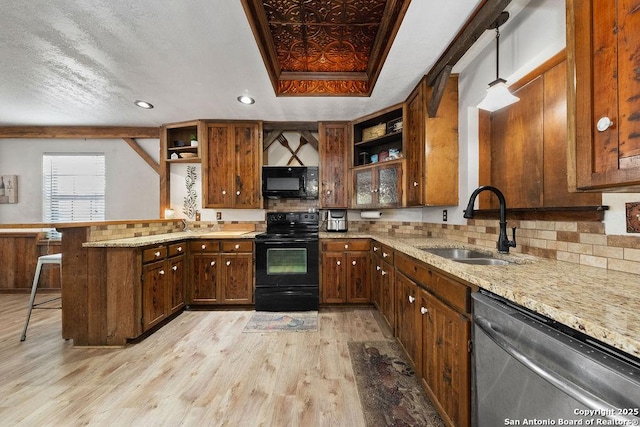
[[431, 147], [175, 140], [237, 272], [446, 358], [231, 167], [383, 282], [163, 276], [523, 148], [378, 185], [222, 272], [176, 280], [434, 323], [604, 94], [345, 271], [334, 171], [408, 325]]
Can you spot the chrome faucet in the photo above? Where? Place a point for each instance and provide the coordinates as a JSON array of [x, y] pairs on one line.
[[503, 241]]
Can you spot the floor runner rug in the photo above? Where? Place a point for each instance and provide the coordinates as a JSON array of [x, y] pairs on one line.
[[303, 321], [389, 390]]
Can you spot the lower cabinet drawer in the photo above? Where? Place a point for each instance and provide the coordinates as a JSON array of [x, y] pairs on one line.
[[154, 254], [177, 249], [200, 246], [455, 293], [330, 245], [237, 246]]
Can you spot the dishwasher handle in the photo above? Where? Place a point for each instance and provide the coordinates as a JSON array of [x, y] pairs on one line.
[[589, 400]]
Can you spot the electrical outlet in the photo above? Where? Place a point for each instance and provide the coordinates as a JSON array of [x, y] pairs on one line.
[[444, 214], [218, 216]]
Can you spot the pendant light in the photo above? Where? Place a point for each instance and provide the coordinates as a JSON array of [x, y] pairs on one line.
[[498, 95]]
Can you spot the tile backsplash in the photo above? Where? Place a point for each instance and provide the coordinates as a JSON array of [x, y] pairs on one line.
[[581, 243]]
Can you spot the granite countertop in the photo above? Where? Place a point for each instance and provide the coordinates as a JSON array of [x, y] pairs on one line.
[[601, 303], [136, 242]]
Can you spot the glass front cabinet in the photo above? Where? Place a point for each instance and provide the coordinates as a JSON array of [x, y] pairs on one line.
[[378, 186]]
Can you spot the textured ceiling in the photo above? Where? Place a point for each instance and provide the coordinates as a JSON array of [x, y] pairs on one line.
[[84, 63], [324, 47]]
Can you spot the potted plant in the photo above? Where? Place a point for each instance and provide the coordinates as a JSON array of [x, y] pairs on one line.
[[194, 140]]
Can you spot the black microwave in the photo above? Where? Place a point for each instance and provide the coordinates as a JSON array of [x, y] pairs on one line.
[[290, 182]]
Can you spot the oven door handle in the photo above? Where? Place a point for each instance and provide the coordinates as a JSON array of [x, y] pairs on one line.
[[589, 400], [285, 242]]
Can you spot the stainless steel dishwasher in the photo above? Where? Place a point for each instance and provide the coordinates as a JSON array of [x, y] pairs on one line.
[[530, 370]]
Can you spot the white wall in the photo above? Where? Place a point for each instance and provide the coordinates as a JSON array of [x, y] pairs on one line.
[[527, 40], [133, 188]]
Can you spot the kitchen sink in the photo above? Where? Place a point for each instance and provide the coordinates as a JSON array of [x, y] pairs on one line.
[[457, 253], [483, 261], [467, 256]]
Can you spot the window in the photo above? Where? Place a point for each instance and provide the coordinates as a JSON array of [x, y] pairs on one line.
[[73, 187]]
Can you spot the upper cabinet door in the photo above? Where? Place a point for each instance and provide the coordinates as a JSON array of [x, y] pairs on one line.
[[604, 94], [247, 152], [334, 172], [218, 167], [231, 167], [431, 147]]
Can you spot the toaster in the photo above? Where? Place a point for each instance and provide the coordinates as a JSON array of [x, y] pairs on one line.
[[337, 220]]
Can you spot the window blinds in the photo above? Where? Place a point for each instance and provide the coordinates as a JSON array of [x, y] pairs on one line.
[[73, 187]]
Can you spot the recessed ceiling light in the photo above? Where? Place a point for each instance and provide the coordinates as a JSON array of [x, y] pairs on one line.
[[245, 99], [143, 104]]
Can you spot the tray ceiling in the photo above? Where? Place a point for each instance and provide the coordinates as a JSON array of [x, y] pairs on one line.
[[324, 47]]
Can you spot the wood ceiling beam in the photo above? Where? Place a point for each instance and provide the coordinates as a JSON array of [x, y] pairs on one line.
[[78, 132], [310, 139], [290, 126], [145, 156], [476, 25], [438, 91], [271, 138]]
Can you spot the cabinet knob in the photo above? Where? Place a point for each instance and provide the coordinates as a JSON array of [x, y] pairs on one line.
[[228, 263], [378, 268], [224, 192], [161, 272], [375, 249], [238, 193], [415, 183], [384, 254], [604, 123], [237, 246], [179, 249], [328, 192], [157, 254], [338, 262], [384, 273], [174, 268], [213, 263], [411, 299], [423, 310], [346, 246], [204, 246], [353, 262]]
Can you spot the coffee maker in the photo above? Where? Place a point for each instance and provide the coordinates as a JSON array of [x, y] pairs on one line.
[[337, 220]]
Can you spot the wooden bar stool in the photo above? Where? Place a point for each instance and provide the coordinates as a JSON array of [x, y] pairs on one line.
[[45, 259]]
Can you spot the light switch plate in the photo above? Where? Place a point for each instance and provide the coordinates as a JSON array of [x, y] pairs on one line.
[[633, 217]]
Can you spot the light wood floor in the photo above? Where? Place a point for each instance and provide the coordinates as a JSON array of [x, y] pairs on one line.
[[200, 369]]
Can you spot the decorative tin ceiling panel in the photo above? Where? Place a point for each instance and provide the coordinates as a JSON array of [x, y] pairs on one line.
[[324, 47]]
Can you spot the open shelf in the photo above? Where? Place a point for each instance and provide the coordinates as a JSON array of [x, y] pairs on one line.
[[363, 148]]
